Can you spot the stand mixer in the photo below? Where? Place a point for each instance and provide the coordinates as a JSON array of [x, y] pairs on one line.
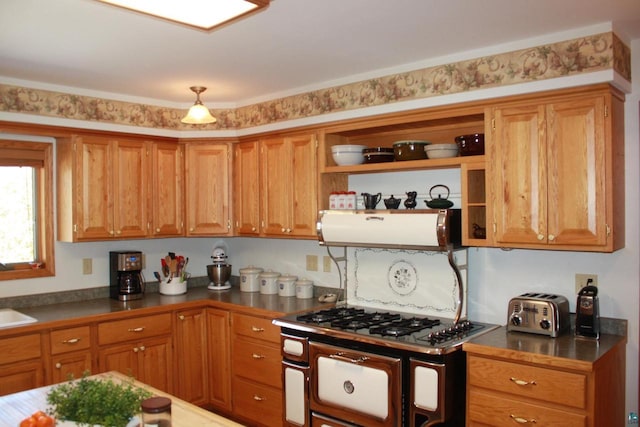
[[219, 272]]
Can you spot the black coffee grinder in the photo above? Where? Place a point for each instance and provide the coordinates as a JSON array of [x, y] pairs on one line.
[[125, 274]]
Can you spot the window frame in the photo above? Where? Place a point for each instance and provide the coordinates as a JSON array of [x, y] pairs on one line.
[[43, 195]]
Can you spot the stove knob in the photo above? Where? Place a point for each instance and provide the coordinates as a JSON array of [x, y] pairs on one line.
[[516, 320], [432, 338], [545, 324]]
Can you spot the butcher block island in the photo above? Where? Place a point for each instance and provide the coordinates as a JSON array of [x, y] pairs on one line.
[[18, 406], [518, 378]]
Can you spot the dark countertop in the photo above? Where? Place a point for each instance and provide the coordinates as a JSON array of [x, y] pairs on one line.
[[564, 351], [100, 308]]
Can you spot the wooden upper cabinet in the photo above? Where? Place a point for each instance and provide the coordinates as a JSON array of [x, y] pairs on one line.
[[207, 189], [289, 186], [167, 189], [554, 174], [107, 180], [246, 179], [130, 188]]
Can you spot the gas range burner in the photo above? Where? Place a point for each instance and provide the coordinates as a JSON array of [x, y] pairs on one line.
[[405, 326], [330, 314], [364, 320]]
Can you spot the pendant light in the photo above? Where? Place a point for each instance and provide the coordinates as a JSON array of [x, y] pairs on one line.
[[198, 114]]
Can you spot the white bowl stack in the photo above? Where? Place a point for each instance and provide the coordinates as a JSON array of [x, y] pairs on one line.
[[441, 151], [345, 155]]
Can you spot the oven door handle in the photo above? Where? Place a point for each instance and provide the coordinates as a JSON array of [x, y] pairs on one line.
[[341, 355]]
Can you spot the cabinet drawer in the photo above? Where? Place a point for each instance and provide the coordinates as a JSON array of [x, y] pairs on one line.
[[256, 327], [20, 348], [257, 362], [71, 339], [484, 409], [134, 328], [544, 384], [261, 403]]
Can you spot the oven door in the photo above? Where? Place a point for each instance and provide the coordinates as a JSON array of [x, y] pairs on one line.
[[355, 386]]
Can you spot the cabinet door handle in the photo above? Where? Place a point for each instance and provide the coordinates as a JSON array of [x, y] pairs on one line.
[[181, 317], [258, 398], [135, 349], [257, 356], [71, 341], [540, 237], [139, 329], [522, 382], [58, 365], [521, 420], [256, 329], [142, 348], [552, 237], [157, 230]]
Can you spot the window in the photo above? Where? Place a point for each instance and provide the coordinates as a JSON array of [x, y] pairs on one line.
[[26, 211]]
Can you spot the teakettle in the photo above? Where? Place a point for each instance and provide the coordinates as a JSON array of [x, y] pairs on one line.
[[439, 203]]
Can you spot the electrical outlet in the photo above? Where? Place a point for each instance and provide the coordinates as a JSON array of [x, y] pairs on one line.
[[582, 280], [87, 265], [326, 264], [312, 262]]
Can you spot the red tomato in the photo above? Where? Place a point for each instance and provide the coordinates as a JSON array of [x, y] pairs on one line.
[[45, 421], [29, 422]]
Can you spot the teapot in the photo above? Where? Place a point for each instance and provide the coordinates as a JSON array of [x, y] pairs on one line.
[[439, 203], [371, 200], [411, 203], [392, 202]]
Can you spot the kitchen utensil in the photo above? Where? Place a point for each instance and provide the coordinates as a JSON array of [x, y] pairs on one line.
[[378, 155], [287, 285], [441, 151], [371, 200], [219, 274], [479, 232], [409, 150], [588, 313], [249, 281], [538, 313], [392, 202], [411, 203], [304, 289], [269, 282], [345, 155], [439, 203], [471, 145], [157, 276]]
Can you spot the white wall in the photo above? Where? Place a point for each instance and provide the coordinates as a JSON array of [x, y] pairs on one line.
[[494, 275]]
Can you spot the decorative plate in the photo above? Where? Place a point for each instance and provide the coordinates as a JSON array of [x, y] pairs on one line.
[[402, 277]]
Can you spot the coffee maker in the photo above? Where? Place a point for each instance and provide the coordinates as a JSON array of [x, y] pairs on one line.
[[125, 274]]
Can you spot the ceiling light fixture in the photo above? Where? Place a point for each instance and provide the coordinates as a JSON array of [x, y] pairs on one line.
[[198, 114], [202, 14]]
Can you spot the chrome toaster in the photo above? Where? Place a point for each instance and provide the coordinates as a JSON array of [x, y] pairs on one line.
[[539, 313]]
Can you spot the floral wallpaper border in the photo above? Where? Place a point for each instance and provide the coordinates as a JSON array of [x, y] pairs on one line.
[[589, 54]]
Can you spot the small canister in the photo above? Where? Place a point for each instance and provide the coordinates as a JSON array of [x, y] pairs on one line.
[[350, 200], [287, 285], [269, 282], [156, 412], [249, 281], [304, 289]]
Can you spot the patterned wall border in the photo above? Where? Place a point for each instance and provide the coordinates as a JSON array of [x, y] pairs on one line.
[[578, 56]]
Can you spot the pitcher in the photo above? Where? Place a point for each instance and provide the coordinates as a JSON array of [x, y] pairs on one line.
[[371, 200]]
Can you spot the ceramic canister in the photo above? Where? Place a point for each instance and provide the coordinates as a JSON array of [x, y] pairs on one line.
[[249, 281], [269, 282], [304, 289], [287, 285]]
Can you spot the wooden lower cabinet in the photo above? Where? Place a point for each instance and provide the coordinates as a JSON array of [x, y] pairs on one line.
[[219, 358], [21, 367], [139, 346], [71, 353], [503, 391], [191, 358], [257, 370]]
